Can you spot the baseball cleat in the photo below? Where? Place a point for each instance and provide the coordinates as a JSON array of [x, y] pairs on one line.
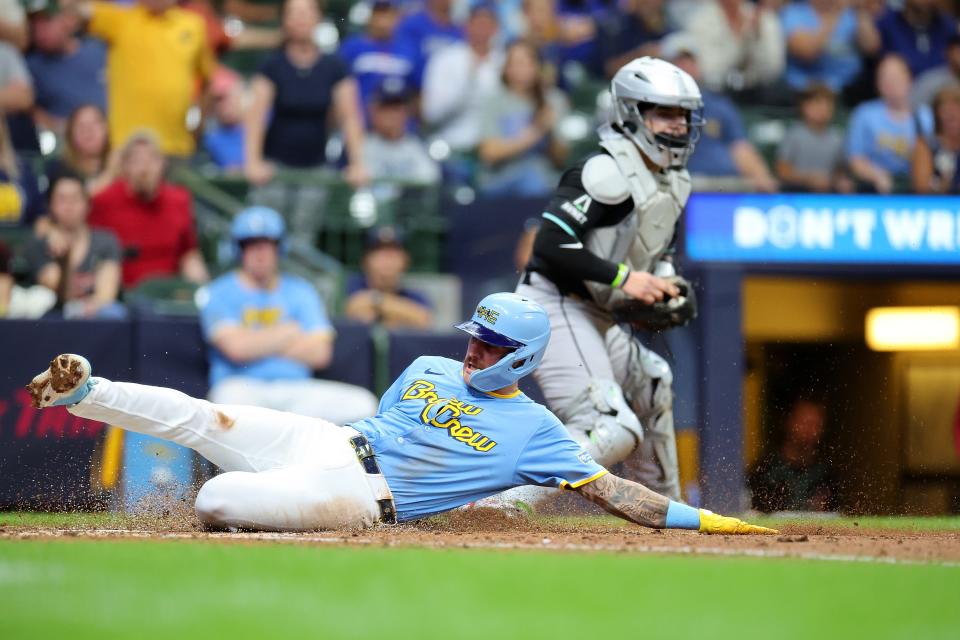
[[65, 382], [714, 523]]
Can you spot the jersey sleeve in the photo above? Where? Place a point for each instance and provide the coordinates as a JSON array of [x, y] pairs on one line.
[[858, 133], [553, 459], [188, 233], [206, 59], [340, 69], [218, 310], [311, 312], [107, 19], [567, 218]]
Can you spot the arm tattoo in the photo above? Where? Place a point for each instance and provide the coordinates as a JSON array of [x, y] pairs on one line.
[[628, 500]]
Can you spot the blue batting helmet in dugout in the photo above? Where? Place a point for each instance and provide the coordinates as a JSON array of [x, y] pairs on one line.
[[512, 321], [258, 222]]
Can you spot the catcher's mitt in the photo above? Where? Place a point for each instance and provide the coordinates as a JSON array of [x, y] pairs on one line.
[[659, 316]]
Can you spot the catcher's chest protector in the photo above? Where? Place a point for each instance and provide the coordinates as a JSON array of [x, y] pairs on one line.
[[643, 236]]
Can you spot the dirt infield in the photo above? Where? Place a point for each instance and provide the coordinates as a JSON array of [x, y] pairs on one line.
[[493, 530]]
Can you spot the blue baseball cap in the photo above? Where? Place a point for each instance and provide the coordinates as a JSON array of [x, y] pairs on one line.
[[382, 237], [392, 90]]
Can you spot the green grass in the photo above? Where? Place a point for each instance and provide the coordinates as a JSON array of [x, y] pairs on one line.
[[186, 589]]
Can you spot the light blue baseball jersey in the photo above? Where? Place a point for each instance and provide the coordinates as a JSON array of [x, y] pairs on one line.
[[231, 302], [441, 444]]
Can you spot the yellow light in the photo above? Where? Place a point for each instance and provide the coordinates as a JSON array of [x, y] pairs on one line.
[[913, 328]]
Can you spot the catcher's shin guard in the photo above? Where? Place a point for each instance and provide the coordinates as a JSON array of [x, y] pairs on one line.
[[649, 387], [600, 418]]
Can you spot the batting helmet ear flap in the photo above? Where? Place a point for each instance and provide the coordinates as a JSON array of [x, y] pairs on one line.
[[512, 321]]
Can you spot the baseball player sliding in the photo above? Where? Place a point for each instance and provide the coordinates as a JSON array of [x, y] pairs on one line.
[[602, 261], [446, 433]]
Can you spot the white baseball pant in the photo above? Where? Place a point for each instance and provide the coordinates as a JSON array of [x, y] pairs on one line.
[[284, 472], [338, 402]]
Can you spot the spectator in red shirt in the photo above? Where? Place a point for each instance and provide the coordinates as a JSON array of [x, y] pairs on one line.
[[152, 219]]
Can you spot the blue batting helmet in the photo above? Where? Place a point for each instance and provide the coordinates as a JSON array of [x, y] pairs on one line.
[[258, 222], [508, 320]]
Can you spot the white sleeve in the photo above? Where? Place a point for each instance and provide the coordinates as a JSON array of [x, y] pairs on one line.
[[446, 84], [769, 51], [12, 66], [12, 11], [714, 51]]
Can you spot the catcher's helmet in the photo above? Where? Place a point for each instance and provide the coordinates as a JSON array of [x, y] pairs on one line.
[[646, 83], [508, 320], [258, 222]]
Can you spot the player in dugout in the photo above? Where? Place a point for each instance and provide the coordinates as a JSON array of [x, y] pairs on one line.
[[446, 433]]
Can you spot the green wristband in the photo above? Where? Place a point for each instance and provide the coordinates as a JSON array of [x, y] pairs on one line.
[[622, 272]]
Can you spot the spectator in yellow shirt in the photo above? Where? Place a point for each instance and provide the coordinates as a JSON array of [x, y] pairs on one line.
[[157, 62]]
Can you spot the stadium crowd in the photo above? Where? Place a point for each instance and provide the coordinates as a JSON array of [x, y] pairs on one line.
[[103, 98]]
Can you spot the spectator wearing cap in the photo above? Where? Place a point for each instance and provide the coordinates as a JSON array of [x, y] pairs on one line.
[[931, 82], [223, 137], [461, 80], [632, 31], [519, 150], [918, 32], [430, 29], [882, 132], [827, 41], [378, 54], [378, 295], [740, 44], [268, 331], [393, 152], [68, 71], [81, 265], [811, 155], [723, 150], [293, 93], [158, 61], [152, 218]]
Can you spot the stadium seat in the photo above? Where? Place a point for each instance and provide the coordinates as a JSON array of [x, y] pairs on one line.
[[163, 296], [16, 239], [443, 290]]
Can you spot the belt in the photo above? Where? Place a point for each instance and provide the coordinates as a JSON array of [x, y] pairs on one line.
[[368, 460]]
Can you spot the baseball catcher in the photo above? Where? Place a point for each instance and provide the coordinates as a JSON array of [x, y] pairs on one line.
[[602, 266], [446, 433]]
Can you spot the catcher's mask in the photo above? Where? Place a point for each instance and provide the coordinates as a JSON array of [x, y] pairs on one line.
[[646, 84], [512, 321]]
